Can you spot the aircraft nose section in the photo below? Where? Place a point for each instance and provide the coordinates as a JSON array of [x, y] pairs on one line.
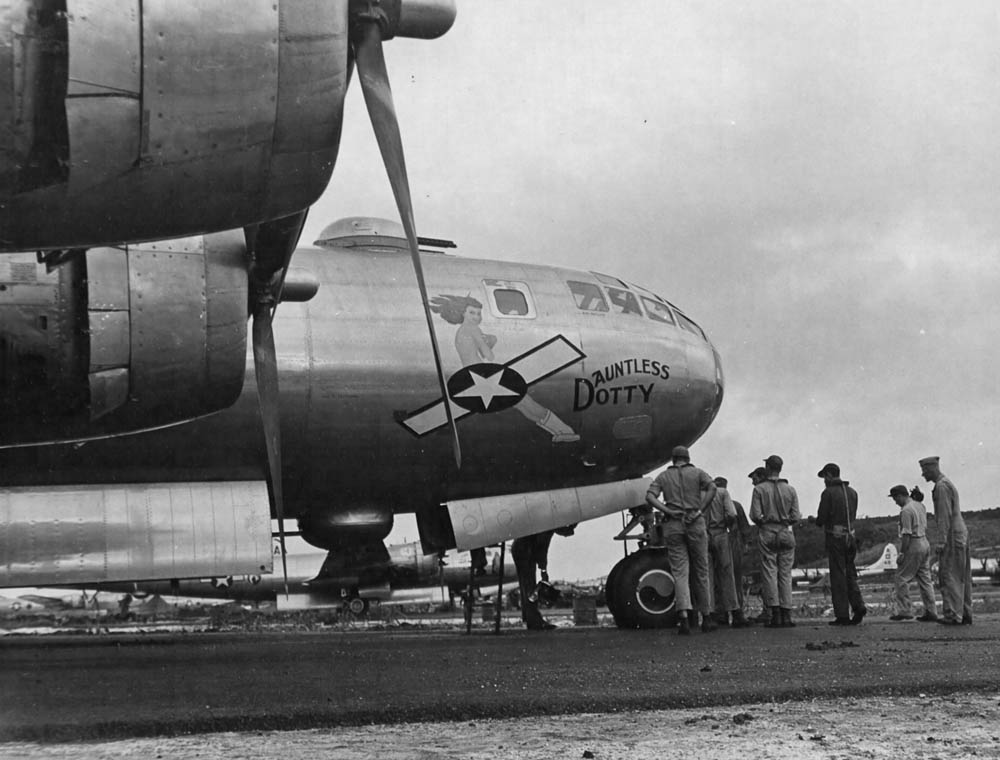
[[720, 383]]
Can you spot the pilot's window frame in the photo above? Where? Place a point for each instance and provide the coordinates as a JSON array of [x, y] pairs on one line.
[[629, 302], [497, 309], [658, 311], [606, 279], [641, 290], [686, 323], [593, 295]]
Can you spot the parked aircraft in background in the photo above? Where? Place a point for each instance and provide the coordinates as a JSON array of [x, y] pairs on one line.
[[565, 386], [317, 579], [884, 563]]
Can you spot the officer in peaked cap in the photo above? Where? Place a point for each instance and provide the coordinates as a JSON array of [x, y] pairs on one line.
[[687, 491], [955, 564]]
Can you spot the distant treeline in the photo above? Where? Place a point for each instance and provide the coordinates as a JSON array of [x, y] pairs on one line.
[[873, 533]]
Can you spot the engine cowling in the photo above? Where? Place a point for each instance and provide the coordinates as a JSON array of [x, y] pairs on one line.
[[156, 119], [132, 120], [116, 340]]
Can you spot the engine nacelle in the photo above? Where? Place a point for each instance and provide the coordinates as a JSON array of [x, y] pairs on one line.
[[131, 120], [116, 340]]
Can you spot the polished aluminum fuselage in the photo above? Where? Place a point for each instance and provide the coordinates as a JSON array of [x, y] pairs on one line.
[[355, 363]]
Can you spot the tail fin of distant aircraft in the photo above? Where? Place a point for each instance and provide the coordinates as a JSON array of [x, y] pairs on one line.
[[885, 563]]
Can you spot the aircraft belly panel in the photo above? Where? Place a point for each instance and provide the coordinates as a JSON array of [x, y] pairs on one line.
[[88, 534], [485, 521]]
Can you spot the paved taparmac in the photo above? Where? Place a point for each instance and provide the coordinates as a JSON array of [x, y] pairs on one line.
[[100, 687]]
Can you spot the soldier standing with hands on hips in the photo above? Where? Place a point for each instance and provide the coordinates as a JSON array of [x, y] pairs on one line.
[[687, 492]]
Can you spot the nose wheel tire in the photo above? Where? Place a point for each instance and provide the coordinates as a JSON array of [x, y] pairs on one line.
[[640, 591]]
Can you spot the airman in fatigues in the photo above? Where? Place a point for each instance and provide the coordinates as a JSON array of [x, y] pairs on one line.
[[739, 536], [955, 562], [687, 492], [914, 559], [775, 508], [759, 475], [721, 518]]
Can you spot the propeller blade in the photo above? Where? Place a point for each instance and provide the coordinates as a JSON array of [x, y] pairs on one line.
[[374, 79], [265, 365], [271, 245]]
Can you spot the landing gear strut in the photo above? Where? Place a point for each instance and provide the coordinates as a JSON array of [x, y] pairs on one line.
[[640, 589]]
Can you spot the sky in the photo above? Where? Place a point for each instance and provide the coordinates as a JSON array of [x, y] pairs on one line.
[[814, 182]]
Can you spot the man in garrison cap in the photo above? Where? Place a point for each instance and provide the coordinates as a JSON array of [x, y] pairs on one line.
[[914, 558], [955, 562], [838, 509], [775, 509], [686, 492]]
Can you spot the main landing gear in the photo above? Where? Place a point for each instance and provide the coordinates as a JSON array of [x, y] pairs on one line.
[[640, 589], [357, 606]]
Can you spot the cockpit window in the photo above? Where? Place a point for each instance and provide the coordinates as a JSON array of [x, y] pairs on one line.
[[690, 326], [509, 299], [624, 301], [657, 311], [588, 296]]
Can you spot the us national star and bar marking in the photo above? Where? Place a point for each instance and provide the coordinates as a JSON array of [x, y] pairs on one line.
[[486, 388]]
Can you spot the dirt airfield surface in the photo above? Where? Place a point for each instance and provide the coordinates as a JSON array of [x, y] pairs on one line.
[[876, 690], [956, 726]]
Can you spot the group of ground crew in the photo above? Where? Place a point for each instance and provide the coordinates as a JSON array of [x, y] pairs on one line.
[[705, 533]]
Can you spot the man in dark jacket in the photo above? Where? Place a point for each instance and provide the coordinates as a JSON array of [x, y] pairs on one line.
[[838, 509]]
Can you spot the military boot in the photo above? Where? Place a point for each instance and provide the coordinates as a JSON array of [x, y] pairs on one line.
[[739, 620], [707, 624], [775, 621], [683, 627], [786, 619]]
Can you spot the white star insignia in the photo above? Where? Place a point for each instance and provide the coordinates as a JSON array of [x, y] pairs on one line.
[[486, 388]]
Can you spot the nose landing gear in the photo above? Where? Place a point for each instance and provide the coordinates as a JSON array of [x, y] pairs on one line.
[[640, 589]]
